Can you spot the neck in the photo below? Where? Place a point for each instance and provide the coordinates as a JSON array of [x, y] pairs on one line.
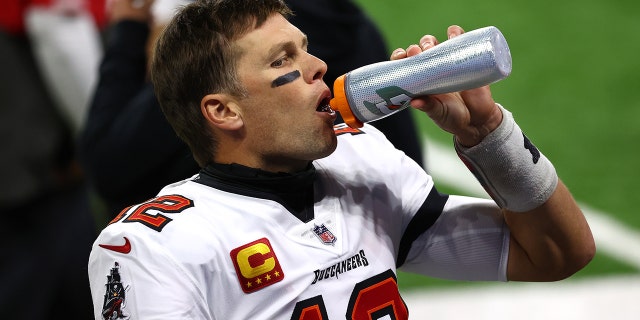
[[294, 191], [266, 165]]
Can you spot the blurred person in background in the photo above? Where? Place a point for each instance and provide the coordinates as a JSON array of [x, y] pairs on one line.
[[125, 117], [47, 226]]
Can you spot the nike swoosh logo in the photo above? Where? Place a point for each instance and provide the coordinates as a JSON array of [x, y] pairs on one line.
[[125, 248]]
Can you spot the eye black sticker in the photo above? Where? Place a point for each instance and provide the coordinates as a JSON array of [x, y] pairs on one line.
[[284, 79]]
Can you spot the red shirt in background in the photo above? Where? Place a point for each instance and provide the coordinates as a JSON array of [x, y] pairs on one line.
[[12, 13]]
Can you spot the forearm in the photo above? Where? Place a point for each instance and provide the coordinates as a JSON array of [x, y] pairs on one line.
[[550, 242], [550, 238], [122, 72], [115, 111], [127, 139]]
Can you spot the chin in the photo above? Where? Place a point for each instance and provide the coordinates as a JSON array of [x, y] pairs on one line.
[[330, 147]]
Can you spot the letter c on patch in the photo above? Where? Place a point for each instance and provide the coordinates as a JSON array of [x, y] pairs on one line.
[[255, 260], [256, 265]]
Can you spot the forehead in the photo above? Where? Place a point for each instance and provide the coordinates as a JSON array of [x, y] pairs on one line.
[[273, 33]]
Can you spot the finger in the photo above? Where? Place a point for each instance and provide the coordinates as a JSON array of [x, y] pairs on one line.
[[420, 103], [413, 50], [398, 54], [454, 31], [428, 41], [478, 97]]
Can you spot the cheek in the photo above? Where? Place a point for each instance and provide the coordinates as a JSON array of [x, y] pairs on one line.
[[276, 112], [267, 119], [279, 125], [285, 105]]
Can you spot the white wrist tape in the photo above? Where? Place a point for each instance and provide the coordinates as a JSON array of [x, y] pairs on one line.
[[510, 168]]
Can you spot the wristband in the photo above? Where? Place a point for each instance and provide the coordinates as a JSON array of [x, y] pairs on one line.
[[510, 168]]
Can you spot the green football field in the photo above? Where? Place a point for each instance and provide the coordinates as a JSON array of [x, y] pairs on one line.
[[573, 89]]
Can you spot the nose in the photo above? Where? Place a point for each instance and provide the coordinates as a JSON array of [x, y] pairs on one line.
[[315, 70]]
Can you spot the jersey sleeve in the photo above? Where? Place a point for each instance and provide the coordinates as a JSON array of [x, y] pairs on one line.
[[129, 279], [469, 241]]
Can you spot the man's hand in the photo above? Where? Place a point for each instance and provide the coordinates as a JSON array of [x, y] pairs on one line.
[[469, 115]]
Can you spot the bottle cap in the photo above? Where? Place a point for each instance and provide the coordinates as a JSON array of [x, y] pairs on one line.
[[341, 104]]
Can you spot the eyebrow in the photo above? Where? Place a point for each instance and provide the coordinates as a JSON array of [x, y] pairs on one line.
[[285, 46]]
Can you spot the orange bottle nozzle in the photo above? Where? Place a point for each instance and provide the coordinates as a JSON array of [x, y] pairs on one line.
[[340, 104]]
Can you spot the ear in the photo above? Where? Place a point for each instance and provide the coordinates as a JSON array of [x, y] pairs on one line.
[[221, 111]]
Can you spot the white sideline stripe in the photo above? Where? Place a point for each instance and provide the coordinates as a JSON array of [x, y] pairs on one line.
[[593, 299], [611, 236]]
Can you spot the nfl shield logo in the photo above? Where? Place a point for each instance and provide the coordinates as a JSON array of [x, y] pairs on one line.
[[324, 234]]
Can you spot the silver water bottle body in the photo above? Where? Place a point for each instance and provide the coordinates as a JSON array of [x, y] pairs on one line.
[[471, 60]]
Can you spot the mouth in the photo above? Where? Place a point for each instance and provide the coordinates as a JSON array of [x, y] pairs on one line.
[[324, 106]]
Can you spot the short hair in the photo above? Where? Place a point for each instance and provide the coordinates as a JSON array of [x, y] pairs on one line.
[[195, 55]]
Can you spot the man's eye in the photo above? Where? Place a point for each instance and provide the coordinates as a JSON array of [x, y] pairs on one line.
[[280, 62]]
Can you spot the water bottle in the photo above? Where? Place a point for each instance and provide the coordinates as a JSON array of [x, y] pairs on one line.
[[470, 60]]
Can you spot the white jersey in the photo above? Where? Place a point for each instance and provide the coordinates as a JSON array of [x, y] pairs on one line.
[[198, 252]]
